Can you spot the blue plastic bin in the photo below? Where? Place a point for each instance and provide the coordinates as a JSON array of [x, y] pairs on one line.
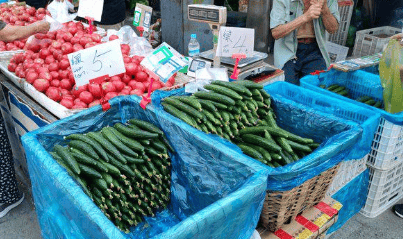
[[338, 137], [387, 146], [214, 193], [368, 119]]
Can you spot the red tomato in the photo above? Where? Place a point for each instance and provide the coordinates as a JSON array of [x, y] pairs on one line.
[[65, 84], [76, 92], [113, 37], [108, 87], [119, 85], [141, 76], [31, 77], [53, 67], [11, 67], [54, 94], [64, 64], [126, 78], [94, 103], [67, 103], [55, 82], [45, 75], [131, 69], [86, 97], [140, 86], [110, 95], [41, 85]]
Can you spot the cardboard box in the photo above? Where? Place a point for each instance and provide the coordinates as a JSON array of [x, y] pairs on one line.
[[311, 224], [142, 16]]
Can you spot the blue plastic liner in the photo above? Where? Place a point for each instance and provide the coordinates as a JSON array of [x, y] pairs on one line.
[[353, 197], [214, 194], [337, 136], [359, 83], [366, 118]]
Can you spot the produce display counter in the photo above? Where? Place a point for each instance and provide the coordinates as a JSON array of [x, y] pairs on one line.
[[21, 114]]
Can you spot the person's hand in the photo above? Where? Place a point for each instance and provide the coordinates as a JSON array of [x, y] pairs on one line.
[[314, 11], [42, 26], [399, 38], [322, 3]]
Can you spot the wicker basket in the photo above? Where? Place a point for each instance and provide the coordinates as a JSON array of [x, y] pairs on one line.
[[282, 207]]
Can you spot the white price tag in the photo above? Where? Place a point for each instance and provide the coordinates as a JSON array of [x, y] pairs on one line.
[[91, 8], [97, 61], [232, 40]]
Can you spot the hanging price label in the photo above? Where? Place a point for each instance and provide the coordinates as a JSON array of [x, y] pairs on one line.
[[91, 8], [97, 61]]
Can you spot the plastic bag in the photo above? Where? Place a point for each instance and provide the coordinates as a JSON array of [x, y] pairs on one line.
[[60, 11], [391, 74], [139, 46], [54, 25]]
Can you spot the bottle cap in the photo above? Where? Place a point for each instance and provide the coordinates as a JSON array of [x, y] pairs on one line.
[[193, 36]]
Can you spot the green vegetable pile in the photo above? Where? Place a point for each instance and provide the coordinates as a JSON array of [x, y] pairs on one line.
[[342, 90], [124, 169], [240, 112]]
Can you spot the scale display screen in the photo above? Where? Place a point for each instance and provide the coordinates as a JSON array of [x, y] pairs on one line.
[[211, 15]]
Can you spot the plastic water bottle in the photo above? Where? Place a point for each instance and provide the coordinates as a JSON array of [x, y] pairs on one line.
[[194, 46]]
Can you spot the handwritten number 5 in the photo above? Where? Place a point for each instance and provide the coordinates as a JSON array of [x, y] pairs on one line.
[[97, 61]]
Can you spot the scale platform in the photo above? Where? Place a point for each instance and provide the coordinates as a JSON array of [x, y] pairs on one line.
[[230, 62], [250, 68]]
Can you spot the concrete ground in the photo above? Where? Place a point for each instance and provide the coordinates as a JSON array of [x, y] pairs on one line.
[[21, 222]]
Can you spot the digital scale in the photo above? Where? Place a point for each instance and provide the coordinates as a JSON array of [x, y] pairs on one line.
[[216, 16], [249, 68]]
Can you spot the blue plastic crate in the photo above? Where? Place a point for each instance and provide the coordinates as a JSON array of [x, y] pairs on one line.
[[387, 146], [214, 194], [368, 119], [338, 137]]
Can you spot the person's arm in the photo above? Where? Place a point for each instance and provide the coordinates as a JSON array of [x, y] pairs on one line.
[[283, 30], [329, 21], [11, 33]]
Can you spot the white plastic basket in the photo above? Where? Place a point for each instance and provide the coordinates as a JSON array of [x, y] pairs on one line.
[[385, 189], [371, 41], [387, 146], [348, 171], [346, 10]]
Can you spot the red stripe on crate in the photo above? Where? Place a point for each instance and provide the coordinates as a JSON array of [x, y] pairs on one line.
[[328, 210], [283, 234], [306, 223]]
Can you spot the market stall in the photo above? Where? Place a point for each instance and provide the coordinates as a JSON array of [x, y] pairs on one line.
[[124, 139]]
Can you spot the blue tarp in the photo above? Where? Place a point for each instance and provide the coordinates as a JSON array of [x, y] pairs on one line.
[[353, 197], [368, 119], [359, 83], [214, 193], [336, 135]]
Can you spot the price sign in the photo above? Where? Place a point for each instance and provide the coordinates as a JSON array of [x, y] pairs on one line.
[[91, 8], [97, 61], [233, 40], [164, 62]]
